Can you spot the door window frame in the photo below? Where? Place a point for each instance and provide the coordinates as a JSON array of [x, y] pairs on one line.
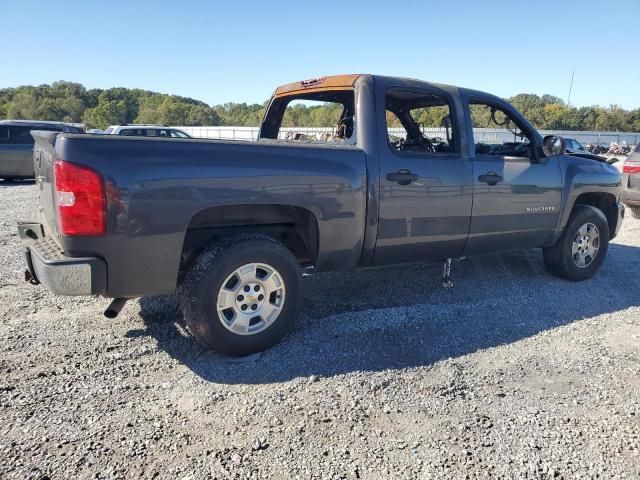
[[521, 122], [455, 124]]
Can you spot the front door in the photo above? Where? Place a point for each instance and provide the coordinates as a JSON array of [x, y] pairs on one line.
[[517, 194], [425, 183]]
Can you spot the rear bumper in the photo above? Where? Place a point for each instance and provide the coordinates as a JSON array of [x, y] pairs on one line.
[[46, 264]]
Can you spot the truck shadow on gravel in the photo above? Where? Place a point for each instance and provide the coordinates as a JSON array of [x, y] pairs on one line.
[[16, 183], [401, 317]]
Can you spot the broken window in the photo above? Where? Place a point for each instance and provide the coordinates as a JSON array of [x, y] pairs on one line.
[[495, 133], [420, 122], [320, 117]]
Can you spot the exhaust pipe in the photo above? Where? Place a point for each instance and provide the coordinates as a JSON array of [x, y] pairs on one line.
[[114, 307]]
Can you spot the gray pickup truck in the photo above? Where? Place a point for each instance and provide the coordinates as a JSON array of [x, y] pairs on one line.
[[230, 224]]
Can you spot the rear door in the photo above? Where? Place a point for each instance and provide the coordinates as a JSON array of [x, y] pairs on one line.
[[425, 181], [517, 192]]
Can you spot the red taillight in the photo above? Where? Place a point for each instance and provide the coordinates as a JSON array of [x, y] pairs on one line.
[[631, 167], [80, 198]]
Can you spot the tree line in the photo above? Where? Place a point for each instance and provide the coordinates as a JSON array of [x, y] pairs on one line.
[[99, 108]]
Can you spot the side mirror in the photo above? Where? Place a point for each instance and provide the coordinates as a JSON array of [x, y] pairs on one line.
[[552, 146]]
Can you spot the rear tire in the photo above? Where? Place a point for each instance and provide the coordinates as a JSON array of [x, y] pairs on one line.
[[582, 247], [226, 318], [635, 211]]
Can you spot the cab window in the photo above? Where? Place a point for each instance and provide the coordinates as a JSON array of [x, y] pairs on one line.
[[313, 117], [420, 122], [496, 133]]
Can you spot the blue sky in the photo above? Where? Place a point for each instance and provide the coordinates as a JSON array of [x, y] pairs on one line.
[[240, 51]]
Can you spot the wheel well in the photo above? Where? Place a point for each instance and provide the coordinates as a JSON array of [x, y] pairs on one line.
[[606, 203], [295, 227]]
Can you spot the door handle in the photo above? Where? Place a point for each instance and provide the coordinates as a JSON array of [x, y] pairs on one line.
[[403, 177], [490, 178]]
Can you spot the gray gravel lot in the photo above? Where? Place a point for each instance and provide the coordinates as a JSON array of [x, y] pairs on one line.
[[512, 373]]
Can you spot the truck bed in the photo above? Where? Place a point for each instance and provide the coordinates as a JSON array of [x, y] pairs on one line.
[[155, 188]]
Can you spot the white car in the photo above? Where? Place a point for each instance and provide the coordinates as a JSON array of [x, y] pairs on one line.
[[143, 130]]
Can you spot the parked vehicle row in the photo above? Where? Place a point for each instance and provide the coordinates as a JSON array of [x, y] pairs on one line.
[[16, 145], [617, 149], [612, 149], [232, 223], [16, 142]]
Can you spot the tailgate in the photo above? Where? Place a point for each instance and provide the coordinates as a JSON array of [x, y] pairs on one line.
[[43, 158]]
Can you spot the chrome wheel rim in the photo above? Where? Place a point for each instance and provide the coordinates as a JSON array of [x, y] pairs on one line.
[[586, 244], [251, 299]]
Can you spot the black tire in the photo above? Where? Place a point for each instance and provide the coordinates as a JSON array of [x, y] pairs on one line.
[[635, 211], [558, 259], [205, 279]]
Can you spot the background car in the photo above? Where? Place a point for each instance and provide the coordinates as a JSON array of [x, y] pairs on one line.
[[143, 130], [631, 182], [573, 145], [16, 144]]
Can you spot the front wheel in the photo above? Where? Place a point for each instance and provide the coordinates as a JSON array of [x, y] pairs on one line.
[[242, 295], [635, 211], [581, 249]]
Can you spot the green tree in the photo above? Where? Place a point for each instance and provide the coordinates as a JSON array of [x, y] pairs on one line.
[[148, 110], [107, 112], [72, 102], [24, 105]]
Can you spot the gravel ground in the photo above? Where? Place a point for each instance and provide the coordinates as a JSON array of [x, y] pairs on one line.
[[512, 373]]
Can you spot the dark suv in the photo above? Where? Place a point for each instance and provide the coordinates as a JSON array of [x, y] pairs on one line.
[[16, 145]]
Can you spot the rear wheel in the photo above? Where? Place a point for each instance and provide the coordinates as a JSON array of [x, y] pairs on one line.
[[635, 211], [242, 295], [581, 249]]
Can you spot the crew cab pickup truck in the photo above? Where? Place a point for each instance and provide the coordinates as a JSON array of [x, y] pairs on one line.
[[230, 224]]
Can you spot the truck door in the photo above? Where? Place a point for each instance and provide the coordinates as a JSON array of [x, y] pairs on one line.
[[425, 181], [517, 192]]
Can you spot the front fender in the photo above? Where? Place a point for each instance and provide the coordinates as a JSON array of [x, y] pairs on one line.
[[584, 177]]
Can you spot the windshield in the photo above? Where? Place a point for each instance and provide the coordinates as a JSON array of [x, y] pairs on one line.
[[179, 134]]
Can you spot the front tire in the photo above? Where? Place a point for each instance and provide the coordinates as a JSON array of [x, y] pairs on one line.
[[579, 252], [635, 211], [242, 295]]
